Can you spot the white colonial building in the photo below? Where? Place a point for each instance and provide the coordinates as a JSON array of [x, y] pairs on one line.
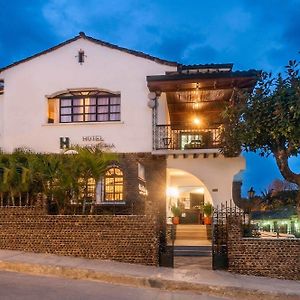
[[84, 89]]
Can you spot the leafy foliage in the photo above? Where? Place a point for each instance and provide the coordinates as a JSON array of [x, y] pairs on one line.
[[267, 121], [62, 178]]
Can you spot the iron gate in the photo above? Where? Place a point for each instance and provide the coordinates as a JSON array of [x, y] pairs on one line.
[[219, 233]]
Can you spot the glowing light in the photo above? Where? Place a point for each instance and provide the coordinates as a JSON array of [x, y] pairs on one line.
[[197, 121], [172, 192], [196, 105], [200, 190]]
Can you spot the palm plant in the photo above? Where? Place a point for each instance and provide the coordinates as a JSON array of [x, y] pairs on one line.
[[92, 163], [4, 175], [21, 173]]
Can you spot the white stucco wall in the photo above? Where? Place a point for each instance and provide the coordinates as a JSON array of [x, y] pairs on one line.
[[27, 84], [1, 121], [215, 173]]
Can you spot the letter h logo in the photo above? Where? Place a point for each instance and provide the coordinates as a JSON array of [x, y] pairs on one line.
[[64, 142]]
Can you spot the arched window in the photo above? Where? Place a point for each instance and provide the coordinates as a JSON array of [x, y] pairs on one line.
[[87, 105], [113, 185]]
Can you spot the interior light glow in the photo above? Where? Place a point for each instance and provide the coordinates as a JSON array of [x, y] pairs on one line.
[[200, 190], [172, 192], [196, 121]]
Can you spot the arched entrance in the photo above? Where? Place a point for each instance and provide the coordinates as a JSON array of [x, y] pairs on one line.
[[187, 192], [192, 240]]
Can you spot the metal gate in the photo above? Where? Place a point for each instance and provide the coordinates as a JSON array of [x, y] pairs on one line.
[[219, 233], [166, 247]]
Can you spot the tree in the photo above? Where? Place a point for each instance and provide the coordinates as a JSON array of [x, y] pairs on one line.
[[268, 121]]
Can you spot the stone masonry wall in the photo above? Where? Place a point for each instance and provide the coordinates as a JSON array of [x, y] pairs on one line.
[[279, 258], [131, 239], [155, 182]]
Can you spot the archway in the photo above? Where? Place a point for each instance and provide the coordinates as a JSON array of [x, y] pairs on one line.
[[187, 192]]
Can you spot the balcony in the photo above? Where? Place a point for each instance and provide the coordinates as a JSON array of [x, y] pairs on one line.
[[166, 138]]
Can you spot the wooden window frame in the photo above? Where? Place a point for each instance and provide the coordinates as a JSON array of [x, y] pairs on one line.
[[114, 176], [85, 106]]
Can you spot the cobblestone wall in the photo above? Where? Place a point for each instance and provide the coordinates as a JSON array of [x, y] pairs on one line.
[[132, 239], [278, 258]]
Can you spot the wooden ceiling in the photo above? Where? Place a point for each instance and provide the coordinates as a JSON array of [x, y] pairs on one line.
[[201, 96]]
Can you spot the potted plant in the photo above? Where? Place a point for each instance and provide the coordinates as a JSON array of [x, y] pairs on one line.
[[207, 209], [176, 211]]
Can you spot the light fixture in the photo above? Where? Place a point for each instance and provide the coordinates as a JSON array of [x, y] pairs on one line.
[[200, 190], [196, 121], [251, 193], [81, 56], [172, 192]]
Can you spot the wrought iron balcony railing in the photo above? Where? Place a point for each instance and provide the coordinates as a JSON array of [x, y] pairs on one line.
[[167, 138]]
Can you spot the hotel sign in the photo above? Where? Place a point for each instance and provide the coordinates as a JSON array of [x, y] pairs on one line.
[[92, 138]]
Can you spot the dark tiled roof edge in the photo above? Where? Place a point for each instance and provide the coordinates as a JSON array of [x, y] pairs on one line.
[[179, 76], [99, 42], [207, 66]]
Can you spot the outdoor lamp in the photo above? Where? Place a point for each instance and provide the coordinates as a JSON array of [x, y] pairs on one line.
[[251, 193]]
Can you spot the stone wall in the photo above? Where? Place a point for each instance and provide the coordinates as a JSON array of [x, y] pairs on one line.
[[155, 182], [279, 258], [131, 239]]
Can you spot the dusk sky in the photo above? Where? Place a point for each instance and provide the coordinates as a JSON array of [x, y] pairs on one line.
[[252, 34]]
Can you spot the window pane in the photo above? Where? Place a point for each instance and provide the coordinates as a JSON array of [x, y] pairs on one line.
[[115, 117], [113, 184], [90, 109], [77, 102], [102, 101], [115, 108], [102, 109], [78, 110], [90, 117], [114, 100], [65, 102], [66, 110], [78, 118], [86, 109], [65, 119], [117, 171], [103, 117], [90, 101]]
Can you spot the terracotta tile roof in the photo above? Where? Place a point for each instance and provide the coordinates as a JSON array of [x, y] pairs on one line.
[[99, 42]]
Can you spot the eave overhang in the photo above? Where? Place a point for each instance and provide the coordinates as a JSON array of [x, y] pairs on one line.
[[204, 81], [194, 93]]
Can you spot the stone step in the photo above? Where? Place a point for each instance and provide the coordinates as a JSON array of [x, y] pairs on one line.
[[193, 230], [196, 227], [204, 251], [192, 237]]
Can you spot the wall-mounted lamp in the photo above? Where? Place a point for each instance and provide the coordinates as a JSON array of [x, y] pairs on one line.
[[81, 56]]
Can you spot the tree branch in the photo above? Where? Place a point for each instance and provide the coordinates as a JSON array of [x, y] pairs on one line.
[[281, 157]]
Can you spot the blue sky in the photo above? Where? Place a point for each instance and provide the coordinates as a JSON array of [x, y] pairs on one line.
[[261, 34]]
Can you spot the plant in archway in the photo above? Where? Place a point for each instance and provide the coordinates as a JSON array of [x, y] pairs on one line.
[[176, 211], [268, 121], [207, 210]]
